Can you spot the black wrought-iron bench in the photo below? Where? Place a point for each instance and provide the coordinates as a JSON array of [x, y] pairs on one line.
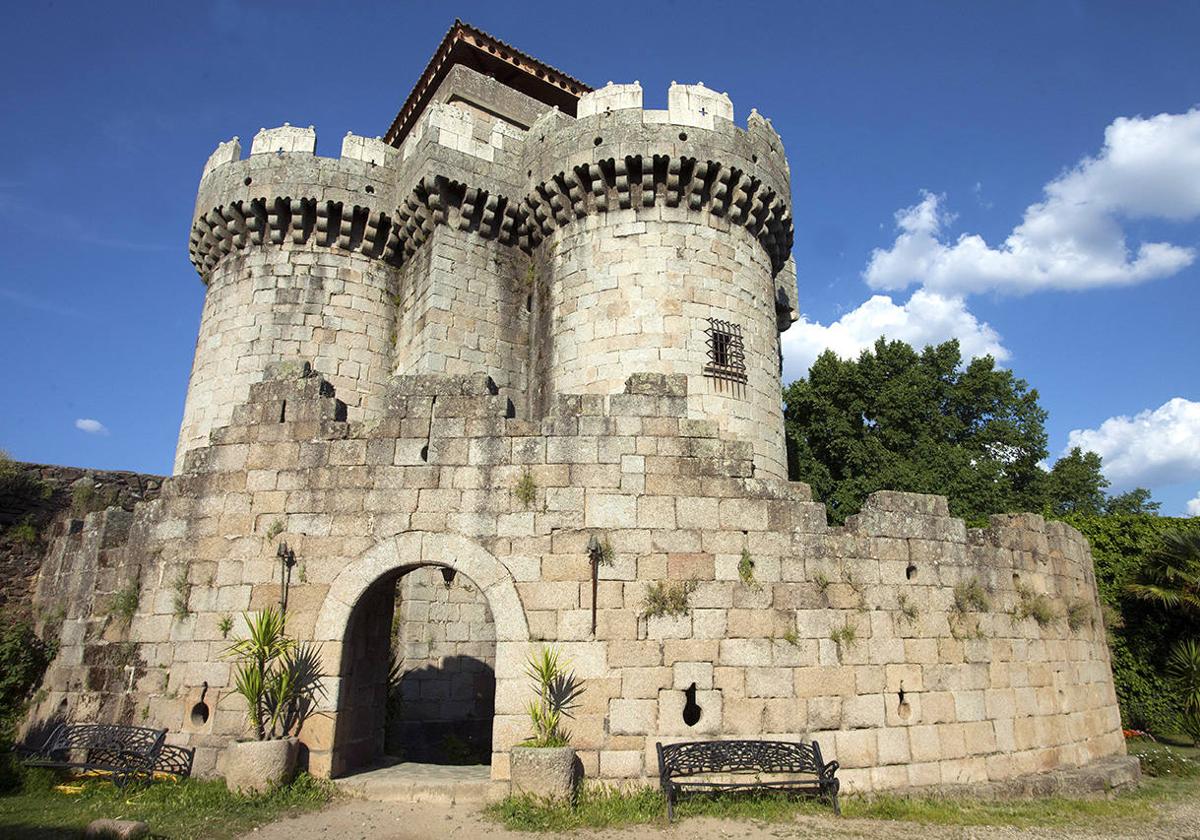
[[719, 766], [129, 753]]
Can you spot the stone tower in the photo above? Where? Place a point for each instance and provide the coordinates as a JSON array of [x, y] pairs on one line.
[[549, 236]]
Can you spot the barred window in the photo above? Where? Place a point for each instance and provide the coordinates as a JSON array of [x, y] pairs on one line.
[[726, 356]]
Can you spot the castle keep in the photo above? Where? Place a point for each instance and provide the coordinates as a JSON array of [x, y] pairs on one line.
[[498, 377]]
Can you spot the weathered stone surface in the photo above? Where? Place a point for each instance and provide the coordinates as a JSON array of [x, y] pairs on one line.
[[258, 766], [106, 829], [545, 772]]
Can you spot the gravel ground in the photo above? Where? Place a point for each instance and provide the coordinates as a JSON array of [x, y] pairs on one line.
[[357, 820]]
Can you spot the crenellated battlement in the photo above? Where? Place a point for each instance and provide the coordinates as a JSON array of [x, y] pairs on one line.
[[384, 202]]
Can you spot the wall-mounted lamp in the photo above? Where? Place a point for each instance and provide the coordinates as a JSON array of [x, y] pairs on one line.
[[448, 576], [287, 559]]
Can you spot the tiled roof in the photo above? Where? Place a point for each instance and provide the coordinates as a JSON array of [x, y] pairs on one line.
[[464, 44]]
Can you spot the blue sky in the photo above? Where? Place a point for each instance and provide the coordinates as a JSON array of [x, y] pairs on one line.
[[922, 137]]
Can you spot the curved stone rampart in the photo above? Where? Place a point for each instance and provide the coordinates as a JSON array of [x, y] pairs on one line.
[[917, 651]]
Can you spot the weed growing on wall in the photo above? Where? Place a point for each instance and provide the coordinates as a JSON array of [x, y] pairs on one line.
[[667, 598], [970, 596], [526, 490], [1036, 606], [1079, 613], [746, 570], [124, 604], [181, 588]]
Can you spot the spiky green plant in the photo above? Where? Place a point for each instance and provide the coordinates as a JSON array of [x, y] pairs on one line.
[[558, 694], [1170, 576], [278, 677], [746, 570], [1183, 667]]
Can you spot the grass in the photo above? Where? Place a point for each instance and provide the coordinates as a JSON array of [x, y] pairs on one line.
[[182, 593], [193, 808], [908, 610], [605, 807], [746, 570], [1079, 613]]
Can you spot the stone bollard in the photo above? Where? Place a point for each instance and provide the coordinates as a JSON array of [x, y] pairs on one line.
[[115, 830]]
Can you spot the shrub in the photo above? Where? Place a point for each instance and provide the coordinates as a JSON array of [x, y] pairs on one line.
[[24, 533], [87, 498], [20, 483], [1183, 668]]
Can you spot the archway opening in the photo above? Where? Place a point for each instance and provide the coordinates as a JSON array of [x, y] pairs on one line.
[[418, 672]]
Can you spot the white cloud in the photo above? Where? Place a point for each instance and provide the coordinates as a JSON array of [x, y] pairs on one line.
[[92, 427], [1154, 447], [1193, 506], [927, 318], [1072, 239]]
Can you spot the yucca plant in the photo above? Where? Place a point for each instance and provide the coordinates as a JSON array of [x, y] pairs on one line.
[[278, 677], [558, 692], [1183, 667]]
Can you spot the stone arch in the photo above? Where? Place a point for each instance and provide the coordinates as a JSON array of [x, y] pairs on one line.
[[387, 560]]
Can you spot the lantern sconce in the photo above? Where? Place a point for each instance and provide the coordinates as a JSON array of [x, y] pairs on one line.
[[287, 559]]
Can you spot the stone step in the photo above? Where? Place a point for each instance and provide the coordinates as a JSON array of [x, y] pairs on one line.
[[428, 783]]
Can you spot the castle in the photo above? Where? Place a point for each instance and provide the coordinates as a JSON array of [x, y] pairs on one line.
[[510, 375]]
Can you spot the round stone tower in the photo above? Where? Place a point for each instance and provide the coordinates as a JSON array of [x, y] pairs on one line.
[[557, 254], [322, 293], [661, 243]]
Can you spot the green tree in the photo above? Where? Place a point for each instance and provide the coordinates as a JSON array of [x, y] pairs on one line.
[[921, 422], [1134, 503], [1075, 484], [1141, 632]]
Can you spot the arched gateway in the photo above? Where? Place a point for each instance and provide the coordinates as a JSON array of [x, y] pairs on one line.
[[354, 628]]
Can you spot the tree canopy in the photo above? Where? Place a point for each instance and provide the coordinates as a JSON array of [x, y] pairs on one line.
[[896, 419]]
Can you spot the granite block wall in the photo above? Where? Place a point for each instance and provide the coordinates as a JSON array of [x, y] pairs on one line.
[[903, 641]]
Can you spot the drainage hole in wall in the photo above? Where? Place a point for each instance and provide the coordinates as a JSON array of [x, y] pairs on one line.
[[598, 141], [199, 714], [682, 135], [370, 190], [1016, 579], [425, 452], [691, 710], [247, 181], [904, 710], [754, 158], [911, 571], [283, 412], [528, 303]]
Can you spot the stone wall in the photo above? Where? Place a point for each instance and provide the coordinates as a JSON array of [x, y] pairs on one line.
[[902, 641], [446, 646], [39, 501]]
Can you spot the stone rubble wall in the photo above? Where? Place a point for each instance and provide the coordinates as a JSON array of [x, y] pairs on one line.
[[919, 692], [45, 498]]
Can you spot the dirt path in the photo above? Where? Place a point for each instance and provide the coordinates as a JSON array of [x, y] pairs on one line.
[[357, 820]]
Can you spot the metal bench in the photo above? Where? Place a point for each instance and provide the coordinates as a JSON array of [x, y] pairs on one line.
[[129, 753], [720, 766]]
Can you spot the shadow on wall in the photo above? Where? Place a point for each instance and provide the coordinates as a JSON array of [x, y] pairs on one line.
[[443, 714]]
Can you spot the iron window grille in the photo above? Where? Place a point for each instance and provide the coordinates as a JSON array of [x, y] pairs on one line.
[[726, 354]]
